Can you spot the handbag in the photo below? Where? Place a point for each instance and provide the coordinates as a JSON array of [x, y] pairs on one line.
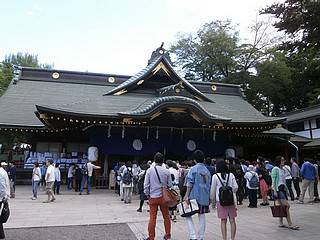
[[278, 210], [170, 196], [187, 210], [5, 212]]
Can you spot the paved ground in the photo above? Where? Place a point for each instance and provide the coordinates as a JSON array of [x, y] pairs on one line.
[[103, 207], [119, 231]]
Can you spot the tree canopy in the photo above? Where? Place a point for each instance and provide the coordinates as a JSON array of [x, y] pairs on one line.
[[277, 74], [19, 59]]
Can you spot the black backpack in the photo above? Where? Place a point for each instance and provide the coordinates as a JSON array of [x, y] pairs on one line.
[[225, 193], [127, 177], [84, 169]]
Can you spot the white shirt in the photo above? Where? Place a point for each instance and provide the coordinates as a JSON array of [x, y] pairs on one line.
[[4, 184], [175, 173], [282, 177], [248, 177], [70, 172], [90, 167], [36, 174], [57, 174], [287, 171], [50, 174], [216, 185]]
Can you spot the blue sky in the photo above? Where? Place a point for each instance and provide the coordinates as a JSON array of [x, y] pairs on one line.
[[110, 36]]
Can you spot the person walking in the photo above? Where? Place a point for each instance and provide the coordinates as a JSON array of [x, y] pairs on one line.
[[183, 172], [12, 173], [57, 181], [4, 192], [237, 170], [36, 177], [252, 185], [198, 188], [43, 175], [71, 172], [295, 173], [120, 171], [280, 192], [87, 172], [142, 176], [156, 178], [222, 179], [174, 172], [308, 174], [136, 169], [127, 183], [50, 178], [78, 178], [264, 182], [316, 180], [287, 170]]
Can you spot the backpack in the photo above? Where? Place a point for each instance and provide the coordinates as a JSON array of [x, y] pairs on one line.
[[127, 177], [225, 193], [84, 169], [253, 182]]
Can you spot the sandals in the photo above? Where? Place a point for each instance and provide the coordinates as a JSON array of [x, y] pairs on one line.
[[283, 226], [290, 227], [294, 227]]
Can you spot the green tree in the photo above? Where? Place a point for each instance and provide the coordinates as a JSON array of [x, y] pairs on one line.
[[272, 85], [19, 59], [211, 54], [299, 19]]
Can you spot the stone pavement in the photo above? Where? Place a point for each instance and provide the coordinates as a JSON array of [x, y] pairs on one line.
[[104, 207]]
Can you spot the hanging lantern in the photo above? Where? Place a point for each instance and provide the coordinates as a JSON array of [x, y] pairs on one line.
[[157, 134], [122, 134], [214, 135], [109, 131]]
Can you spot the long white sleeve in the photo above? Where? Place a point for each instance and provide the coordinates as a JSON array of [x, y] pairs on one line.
[[213, 189]]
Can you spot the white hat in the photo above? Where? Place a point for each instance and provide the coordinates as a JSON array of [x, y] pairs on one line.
[[4, 164]]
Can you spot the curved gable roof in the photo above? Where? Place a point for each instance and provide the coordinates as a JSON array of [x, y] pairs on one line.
[[159, 63]]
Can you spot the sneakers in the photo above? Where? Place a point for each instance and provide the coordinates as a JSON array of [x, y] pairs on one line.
[[33, 198], [300, 202], [139, 210]]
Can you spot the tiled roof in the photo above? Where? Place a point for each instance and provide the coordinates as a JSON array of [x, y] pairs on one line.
[[302, 114]]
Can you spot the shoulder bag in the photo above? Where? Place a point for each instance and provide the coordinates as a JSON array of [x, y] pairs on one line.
[[5, 212], [170, 196]]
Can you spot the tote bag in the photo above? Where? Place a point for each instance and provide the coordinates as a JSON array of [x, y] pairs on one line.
[[278, 210], [187, 210]]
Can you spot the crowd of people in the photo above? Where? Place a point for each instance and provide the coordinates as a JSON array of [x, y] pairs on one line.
[[49, 177], [204, 179], [222, 184]]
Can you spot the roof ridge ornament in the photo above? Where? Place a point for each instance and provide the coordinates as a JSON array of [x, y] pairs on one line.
[[160, 51]]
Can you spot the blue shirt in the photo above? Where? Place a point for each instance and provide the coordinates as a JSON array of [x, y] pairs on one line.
[[211, 169], [308, 171], [199, 179]]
